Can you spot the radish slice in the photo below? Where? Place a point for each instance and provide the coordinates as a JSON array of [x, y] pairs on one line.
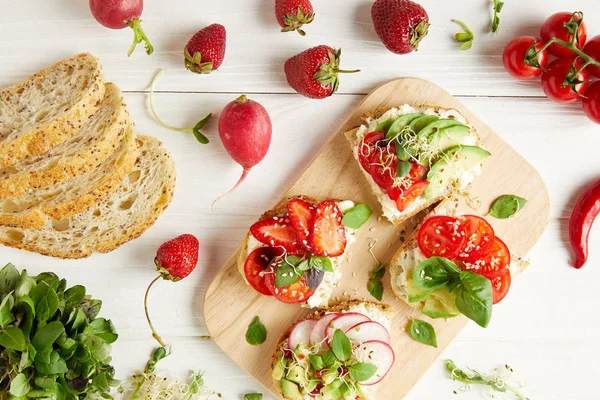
[[368, 331], [300, 333], [344, 322], [317, 335], [379, 354]]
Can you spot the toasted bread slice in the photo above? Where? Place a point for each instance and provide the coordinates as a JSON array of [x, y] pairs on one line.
[[124, 215], [72, 196], [49, 107], [389, 209], [99, 137]]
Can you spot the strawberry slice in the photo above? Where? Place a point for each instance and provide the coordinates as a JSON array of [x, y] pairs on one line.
[[277, 232], [328, 237], [302, 215]]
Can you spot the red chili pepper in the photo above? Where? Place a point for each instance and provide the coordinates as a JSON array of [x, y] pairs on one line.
[[582, 218]]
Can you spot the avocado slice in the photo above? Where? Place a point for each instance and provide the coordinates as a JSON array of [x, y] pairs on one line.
[[441, 304], [400, 123], [291, 390], [330, 393], [452, 162], [330, 376], [279, 369], [419, 123], [297, 374], [442, 140], [435, 126], [312, 385], [385, 125], [415, 293]]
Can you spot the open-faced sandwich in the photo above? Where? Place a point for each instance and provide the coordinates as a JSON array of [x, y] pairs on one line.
[[294, 251], [454, 264], [415, 156], [333, 354]]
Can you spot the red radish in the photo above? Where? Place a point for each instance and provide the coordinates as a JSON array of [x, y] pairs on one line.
[[119, 14], [300, 333], [317, 335], [366, 331], [245, 130], [379, 354], [344, 322]]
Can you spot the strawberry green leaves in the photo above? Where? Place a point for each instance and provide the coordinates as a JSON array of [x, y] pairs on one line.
[[506, 206], [256, 333], [466, 37]]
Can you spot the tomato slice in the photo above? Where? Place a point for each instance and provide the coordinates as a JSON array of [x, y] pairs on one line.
[[494, 264], [368, 146], [299, 292], [480, 238], [417, 171], [500, 287], [441, 236], [411, 194], [257, 263]]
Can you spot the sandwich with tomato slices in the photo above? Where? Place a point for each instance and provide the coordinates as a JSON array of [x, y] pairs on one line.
[[413, 157], [454, 263], [335, 354], [294, 252]]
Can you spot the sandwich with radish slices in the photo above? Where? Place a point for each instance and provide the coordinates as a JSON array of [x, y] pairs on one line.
[[452, 264], [335, 354], [413, 157], [294, 252]]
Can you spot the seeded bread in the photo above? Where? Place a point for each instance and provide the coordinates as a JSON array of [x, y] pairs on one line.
[[73, 196], [49, 107], [124, 215], [98, 138]]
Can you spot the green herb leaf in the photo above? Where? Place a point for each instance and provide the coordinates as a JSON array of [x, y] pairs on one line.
[[436, 273], [9, 278], [6, 316], [256, 333], [316, 362], [329, 358], [46, 335], [321, 263], [26, 283], [158, 354], [375, 288], [356, 216], [506, 206], [341, 346], [384, 126], [423, 332], [362, 371], [287, 273], [253, 396], [498, 5], [104, 329], [46, 301], [74, 296], [13, 338], [378, 273], [466, 37], [200, 137], [19, 386], [474, 297], [403, 168]]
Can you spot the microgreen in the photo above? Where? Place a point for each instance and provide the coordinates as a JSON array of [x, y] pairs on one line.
[[498, 5], [466, 37], [472, 377], [253, 396]]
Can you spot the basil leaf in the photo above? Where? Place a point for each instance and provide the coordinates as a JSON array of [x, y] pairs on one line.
[[287, 274], [375, 288], [329, 358], [256, 333], [321, 263], [506, 206], [384, 126], [356, 216], [74, 296], [104, 329], [403, 168], [13, 338], [378, 273], [436, 273], [6, 316], [46, 301], [56, 365], [341, 346], [314, 278], [50, 278], [26, 283], [19, 386], [47, 335], [196, 130], [253, 396], [304, 265], [474, 298], [316, 362], [90, 308], [362, 371], [9, 278], [423, 332]]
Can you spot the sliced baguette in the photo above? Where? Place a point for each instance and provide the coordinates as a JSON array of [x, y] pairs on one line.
[[124, 215], [73, 196], [98, 138], [49, 107]]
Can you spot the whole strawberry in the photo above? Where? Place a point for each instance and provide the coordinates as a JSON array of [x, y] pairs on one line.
[[293, 14], [400, 24], [206, 49], [314, 72]]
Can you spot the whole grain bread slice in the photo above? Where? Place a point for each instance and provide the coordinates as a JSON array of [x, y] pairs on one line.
[[49, 107], [98, 138], [124, 215], [72, 196]]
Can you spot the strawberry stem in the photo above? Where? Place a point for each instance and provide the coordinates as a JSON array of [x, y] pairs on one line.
[[154, 334], [242, 178], [138, 36]]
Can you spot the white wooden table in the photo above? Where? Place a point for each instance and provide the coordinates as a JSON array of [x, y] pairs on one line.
[[547, 327]]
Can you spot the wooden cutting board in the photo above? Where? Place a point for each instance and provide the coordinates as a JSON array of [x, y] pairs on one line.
[[230, 305]]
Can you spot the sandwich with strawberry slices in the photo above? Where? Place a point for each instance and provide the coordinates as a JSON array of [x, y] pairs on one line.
[[454, 263], [335, 354], [413, 157], [294, 252]]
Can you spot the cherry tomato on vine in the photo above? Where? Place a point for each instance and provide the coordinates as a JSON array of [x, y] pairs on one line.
[[514, 57], [553, 80], [591, 102], [554, 27], [592, 49]]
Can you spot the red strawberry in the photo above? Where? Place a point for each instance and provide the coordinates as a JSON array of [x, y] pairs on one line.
[[177, 258], [275, 232], [292, 14], [206, 49], [314, 72], [400, 24], [302, 215], [328, 237]]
